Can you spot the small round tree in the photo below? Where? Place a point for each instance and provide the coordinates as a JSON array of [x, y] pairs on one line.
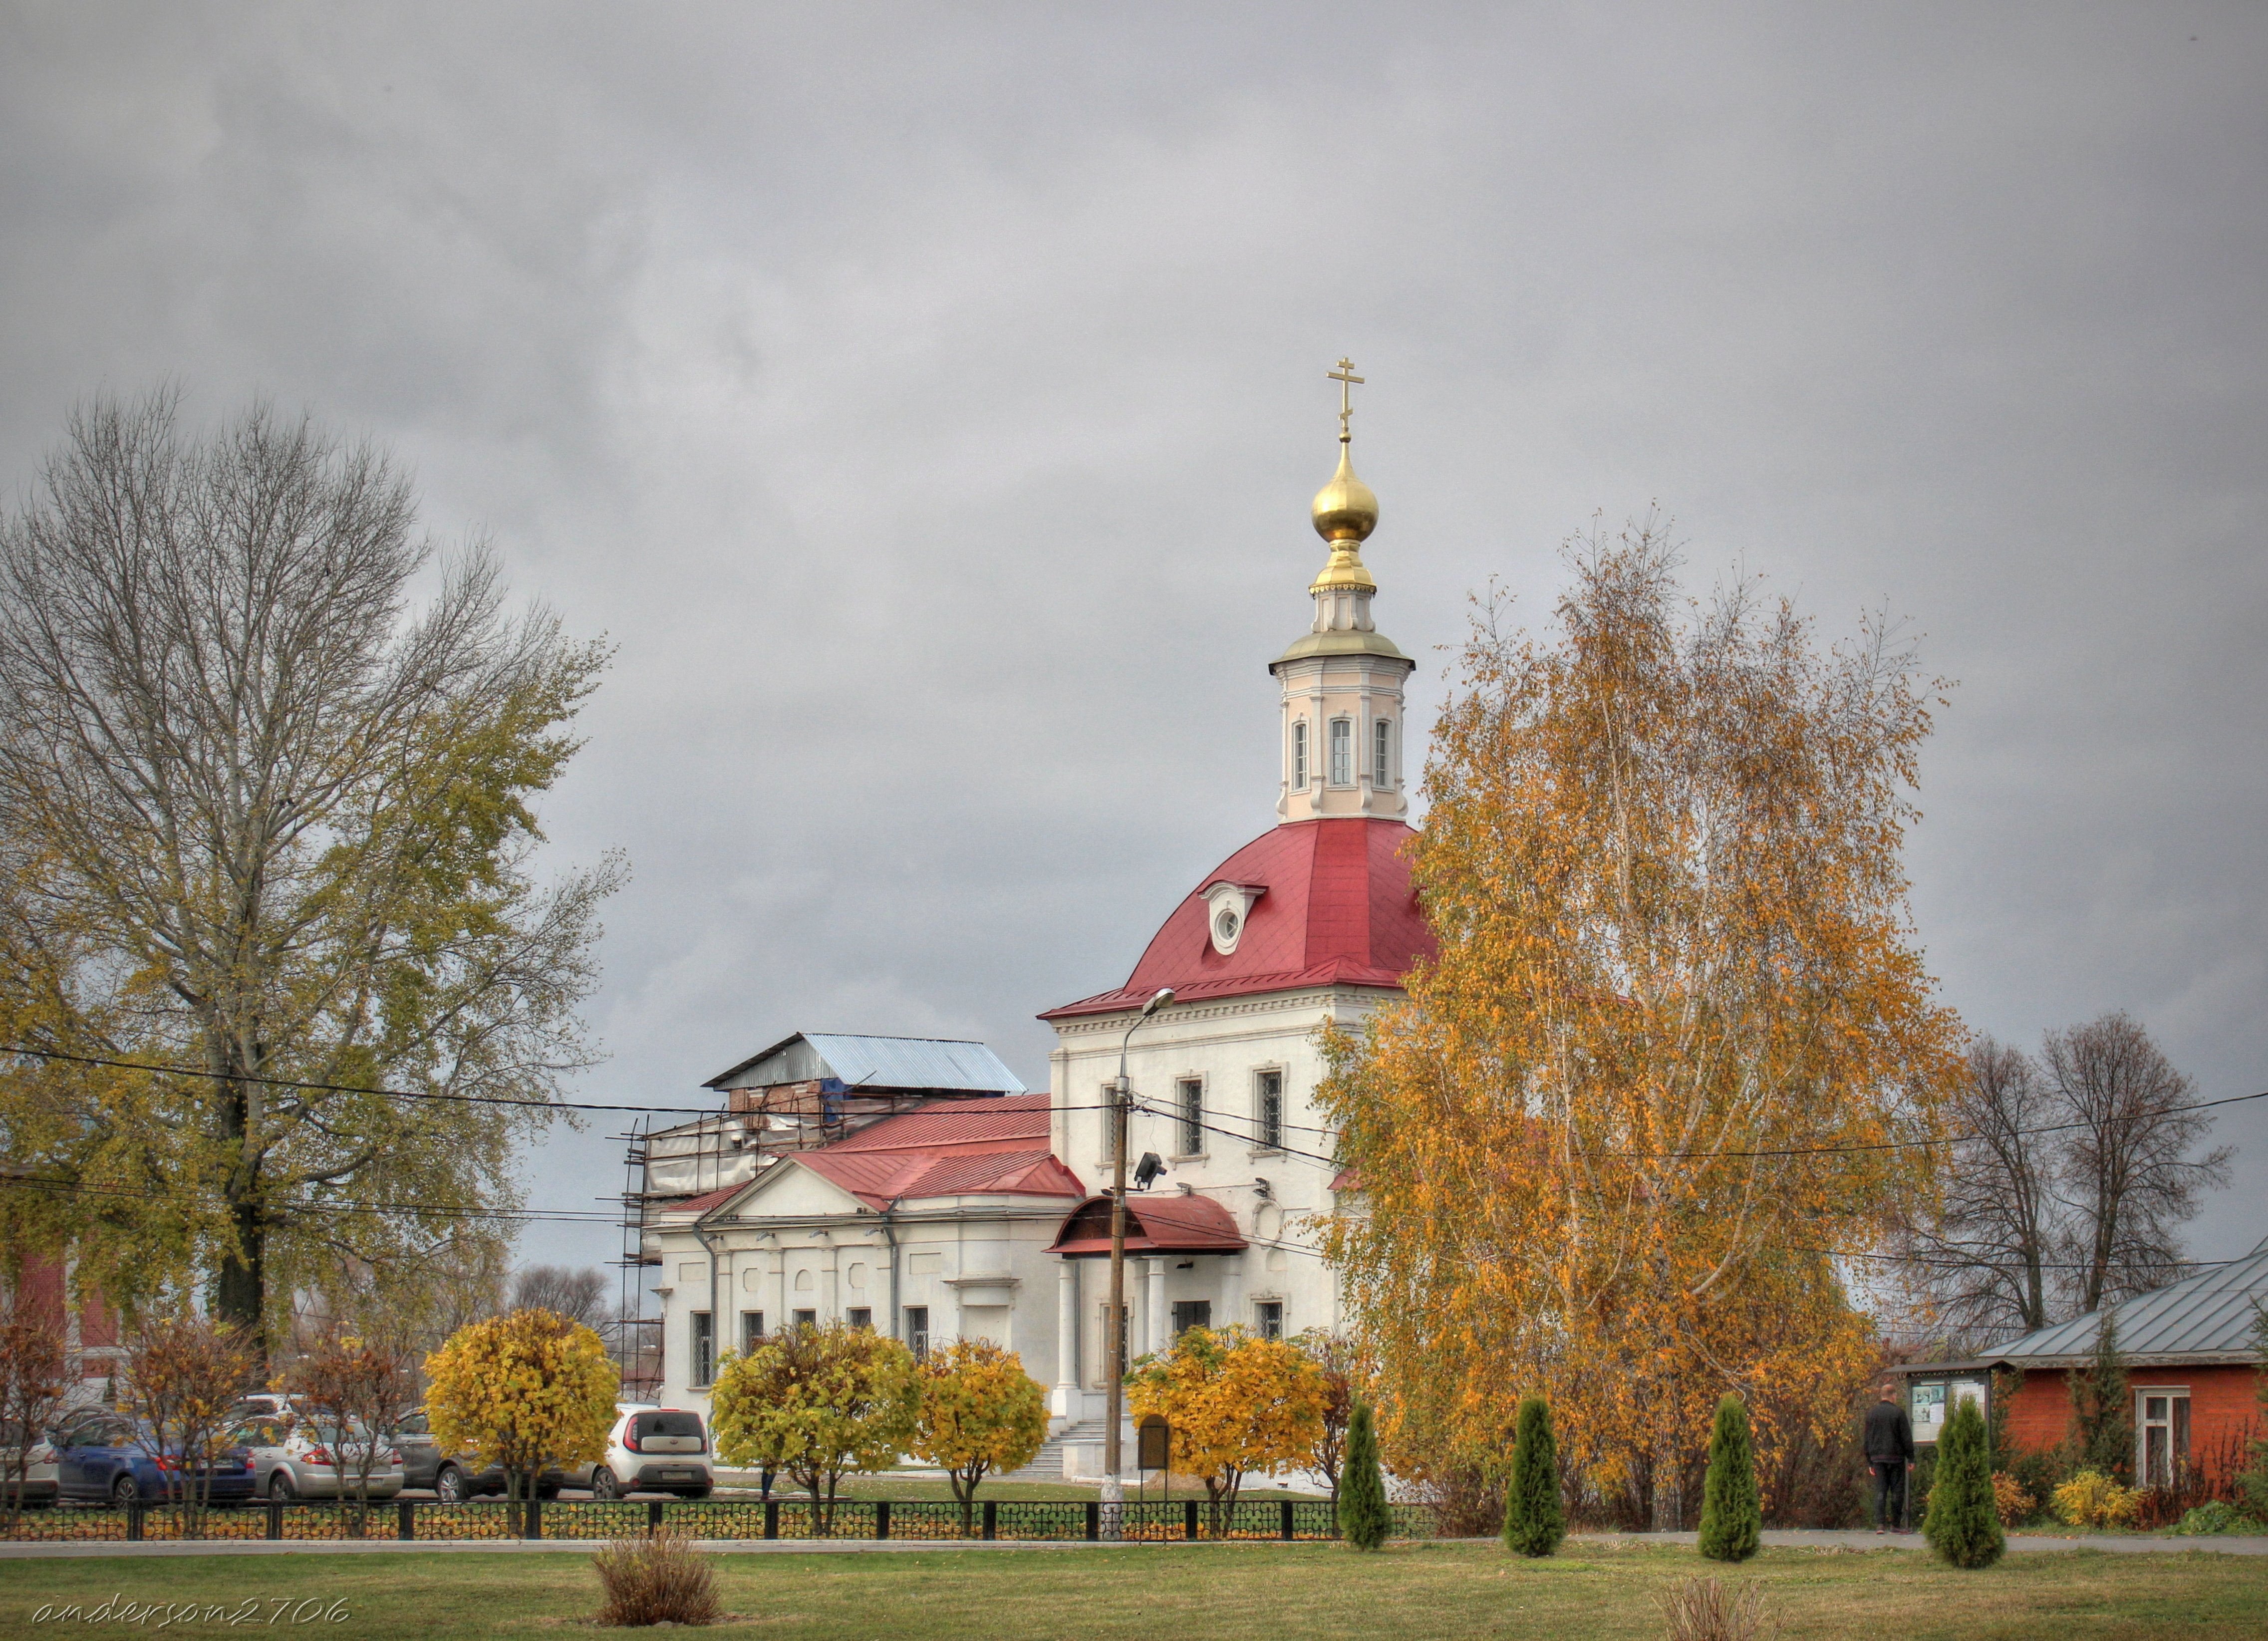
[[1732, 1515], [1364, 1519], [1237, 1402], [1962, 1525], [1534, 1518], [521, 1392], [817, 1402], [980, 1412]]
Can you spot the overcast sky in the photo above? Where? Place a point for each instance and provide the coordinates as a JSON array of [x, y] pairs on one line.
[[926, 403]]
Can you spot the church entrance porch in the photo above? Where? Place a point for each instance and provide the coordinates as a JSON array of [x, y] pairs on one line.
[[1184, 1269]]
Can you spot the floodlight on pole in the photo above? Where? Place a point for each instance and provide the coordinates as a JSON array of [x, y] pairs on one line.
[[1114, 1339]]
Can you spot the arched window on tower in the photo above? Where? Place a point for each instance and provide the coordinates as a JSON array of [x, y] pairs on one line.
[[1342, 752], [1299, 754], [1381, 763]]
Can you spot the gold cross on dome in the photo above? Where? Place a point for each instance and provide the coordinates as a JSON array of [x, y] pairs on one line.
[[1348, 382]]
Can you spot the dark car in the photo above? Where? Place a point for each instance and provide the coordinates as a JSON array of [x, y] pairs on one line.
[[454, 1476], [120, 1461]]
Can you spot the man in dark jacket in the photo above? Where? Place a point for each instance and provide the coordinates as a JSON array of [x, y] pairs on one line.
[[1889, 1454]]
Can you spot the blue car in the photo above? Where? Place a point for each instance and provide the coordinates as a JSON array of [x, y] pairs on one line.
[[118, 1461]]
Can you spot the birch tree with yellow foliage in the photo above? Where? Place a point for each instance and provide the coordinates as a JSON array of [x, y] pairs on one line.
[[1624, 1138]]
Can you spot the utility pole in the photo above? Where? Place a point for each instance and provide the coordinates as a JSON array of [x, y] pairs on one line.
[[1114, 1493]]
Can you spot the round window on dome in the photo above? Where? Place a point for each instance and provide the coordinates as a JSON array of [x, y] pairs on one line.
[[1225, 926]]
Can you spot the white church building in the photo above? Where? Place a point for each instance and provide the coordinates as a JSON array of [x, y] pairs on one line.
[[915, 1186]]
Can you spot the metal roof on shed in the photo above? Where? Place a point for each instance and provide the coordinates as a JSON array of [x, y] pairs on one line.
[[2207, 1317], [895, 1062]]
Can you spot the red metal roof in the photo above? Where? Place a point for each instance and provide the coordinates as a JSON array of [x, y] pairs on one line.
[[703, 1203], [952, 1148], [1339, 910], [1154, 1224]]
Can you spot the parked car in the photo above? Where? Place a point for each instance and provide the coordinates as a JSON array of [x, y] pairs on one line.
[[453, 1477], [650, 1450], [38, 1457], [260, 1405], [120, 1461], [305, 1459]]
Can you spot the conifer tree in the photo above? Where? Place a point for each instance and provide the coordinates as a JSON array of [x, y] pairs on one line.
[[1962, 1526], [1732, 1515], [2102, 1409], [1364, 1519], [1534, 1520]]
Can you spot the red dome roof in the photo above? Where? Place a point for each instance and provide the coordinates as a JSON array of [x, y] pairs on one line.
[[1339, 910]]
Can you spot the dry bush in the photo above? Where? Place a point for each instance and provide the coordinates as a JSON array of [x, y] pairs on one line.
[[2011, 1502], [658, 1580], [1703, 1609]]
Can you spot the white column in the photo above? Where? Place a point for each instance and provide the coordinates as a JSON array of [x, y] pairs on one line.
[[1066, 1396], [1158, 1338], [830, 1282]]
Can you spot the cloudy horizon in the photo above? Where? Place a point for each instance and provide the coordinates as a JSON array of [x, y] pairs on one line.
[[926, 407]]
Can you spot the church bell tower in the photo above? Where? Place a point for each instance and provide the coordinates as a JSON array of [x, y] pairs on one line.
[[1342, 683]]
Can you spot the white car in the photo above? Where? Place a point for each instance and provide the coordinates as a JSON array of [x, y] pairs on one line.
[[650, 1450]]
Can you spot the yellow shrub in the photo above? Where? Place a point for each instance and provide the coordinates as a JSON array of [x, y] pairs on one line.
[[2010, 1502], [2092, 1499]]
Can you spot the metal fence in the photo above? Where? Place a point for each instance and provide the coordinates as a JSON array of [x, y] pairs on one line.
[[430, 1522]]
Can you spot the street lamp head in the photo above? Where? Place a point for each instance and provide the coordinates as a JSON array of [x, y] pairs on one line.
[[1164, 995]]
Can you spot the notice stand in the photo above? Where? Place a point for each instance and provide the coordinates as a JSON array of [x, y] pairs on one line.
[[1153, 1450]]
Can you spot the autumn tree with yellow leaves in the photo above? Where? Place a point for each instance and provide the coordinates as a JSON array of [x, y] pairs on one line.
[[981, 1414], [1236, 1403], [522, 1392], [1660, 1080], [818, 1403]]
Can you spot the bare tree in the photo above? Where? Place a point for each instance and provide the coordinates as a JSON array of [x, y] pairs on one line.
[[1985, 1256], [580, 1296], [357, 1389], [287, 819], [34, 1380], [184, 1375], [2127, 1176]]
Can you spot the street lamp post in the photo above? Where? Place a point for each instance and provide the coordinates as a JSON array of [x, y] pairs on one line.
[[1114, 1493]]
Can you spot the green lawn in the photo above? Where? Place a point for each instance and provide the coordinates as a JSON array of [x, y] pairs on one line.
[[1231, 1592]]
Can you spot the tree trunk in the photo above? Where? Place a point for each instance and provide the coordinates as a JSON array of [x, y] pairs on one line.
[[1669, 1503], [240, 1286]]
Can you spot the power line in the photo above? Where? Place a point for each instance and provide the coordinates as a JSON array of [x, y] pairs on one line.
[[345, 1088]]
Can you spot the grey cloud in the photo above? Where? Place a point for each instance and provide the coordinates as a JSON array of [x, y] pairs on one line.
[[927, 403]]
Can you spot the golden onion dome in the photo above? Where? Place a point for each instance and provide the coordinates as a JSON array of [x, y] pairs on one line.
[[1346, 509]]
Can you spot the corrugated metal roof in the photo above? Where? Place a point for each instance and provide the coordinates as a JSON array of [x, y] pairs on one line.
[[2211, 1315], [895, 1062]]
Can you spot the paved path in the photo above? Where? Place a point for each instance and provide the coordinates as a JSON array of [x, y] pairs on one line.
[[1860, 1542]]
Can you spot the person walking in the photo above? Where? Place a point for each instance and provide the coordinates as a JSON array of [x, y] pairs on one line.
[[1889, 1455]]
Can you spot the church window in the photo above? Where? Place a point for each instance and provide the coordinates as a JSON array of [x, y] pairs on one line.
[[917, 1331], [806, 1319], [1269, 1315], [860, 1316], [1189, 1313], [1190, 1099], [1268, 1100], [752, 1332], [705, 1348], [1381, 763], [1299, 754], [1342, 752]]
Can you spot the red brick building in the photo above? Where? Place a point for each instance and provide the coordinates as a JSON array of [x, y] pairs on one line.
[[2193, 1364]]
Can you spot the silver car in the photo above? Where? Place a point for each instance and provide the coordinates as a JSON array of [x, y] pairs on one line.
[[306, 1459], [38, 1478]]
